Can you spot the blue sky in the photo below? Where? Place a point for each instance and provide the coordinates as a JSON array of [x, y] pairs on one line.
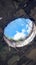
[[16, 26]]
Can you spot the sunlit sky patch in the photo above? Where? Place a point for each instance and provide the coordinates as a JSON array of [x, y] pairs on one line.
[[18, 28]]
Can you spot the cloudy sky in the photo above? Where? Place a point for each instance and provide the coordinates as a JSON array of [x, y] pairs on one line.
[[19, 28]]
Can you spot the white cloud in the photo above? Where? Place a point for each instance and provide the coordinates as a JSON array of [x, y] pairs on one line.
[[29, 30], [30, 23], [26, 25], [23, 30], [19, 35]]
